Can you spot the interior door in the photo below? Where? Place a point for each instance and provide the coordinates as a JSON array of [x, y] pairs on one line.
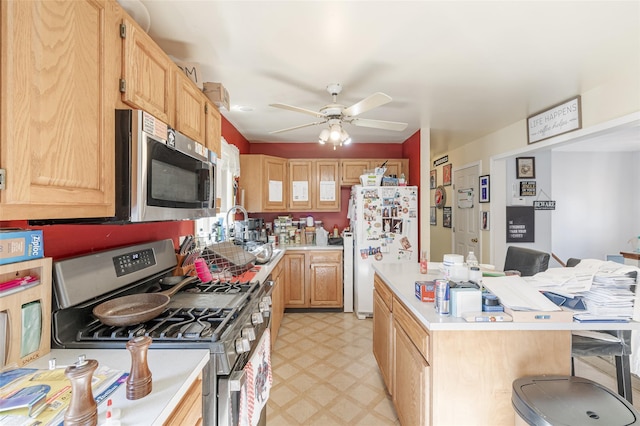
[[466, 213]]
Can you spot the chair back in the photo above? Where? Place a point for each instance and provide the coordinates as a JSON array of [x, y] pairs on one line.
[[527, 261]]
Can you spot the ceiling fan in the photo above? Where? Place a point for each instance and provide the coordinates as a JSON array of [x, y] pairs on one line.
[[336, 114]]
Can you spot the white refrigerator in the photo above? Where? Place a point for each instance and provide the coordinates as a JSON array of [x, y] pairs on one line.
[[385, 224]]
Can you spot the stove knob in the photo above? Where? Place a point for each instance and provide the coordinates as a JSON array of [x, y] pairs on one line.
[[242, 345], [264, 306], [256, 318], [267, 299], [249, 333]]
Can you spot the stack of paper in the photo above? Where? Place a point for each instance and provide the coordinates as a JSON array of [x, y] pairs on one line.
[[564, 281], [610, 297]]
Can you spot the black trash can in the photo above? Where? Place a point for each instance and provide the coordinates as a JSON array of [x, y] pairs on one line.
[[569, 401]]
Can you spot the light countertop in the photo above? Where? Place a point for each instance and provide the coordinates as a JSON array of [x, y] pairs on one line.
[[401, 279], [172, 371]]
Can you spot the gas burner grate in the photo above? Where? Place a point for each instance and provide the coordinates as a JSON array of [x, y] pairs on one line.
[[172, 325]]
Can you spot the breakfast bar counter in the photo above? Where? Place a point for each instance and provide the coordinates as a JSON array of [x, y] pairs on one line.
[[442, 370]]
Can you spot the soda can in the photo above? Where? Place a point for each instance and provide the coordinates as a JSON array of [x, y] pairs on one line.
[[442, 297]]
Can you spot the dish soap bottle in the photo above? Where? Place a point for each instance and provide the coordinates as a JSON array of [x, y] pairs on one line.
[[471, 260]]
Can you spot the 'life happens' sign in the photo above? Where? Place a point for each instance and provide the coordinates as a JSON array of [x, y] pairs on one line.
[[554, 121]]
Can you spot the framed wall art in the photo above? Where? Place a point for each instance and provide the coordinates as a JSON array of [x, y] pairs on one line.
[[446, 217], [525, 167], [446, 174], [484, 221], [484, 189], [433, 179], [432, 216], [440, 197]]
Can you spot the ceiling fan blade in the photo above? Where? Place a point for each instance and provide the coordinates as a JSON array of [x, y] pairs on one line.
[[298, 109], [297, 127], [368, 103], [379, 124]]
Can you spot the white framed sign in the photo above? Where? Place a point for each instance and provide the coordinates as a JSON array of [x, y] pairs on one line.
[[562, 118]]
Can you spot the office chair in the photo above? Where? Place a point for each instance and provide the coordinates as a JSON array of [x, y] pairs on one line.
[[527, 261], [585, 346]]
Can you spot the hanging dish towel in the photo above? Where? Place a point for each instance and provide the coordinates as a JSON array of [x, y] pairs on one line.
[[258, 381]]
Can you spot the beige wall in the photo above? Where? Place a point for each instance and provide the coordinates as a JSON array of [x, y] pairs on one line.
[[618, 98]]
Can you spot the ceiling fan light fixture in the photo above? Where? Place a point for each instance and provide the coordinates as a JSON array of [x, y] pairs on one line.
[[336, 132], [345, 138], [324, 136]]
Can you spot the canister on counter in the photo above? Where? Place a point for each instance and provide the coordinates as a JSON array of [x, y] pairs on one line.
[[442, 297]]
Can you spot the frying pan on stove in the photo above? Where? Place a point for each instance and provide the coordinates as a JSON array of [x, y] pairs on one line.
[[136, 308]]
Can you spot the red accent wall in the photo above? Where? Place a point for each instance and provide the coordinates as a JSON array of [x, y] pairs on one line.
[[62, 241], [233, 136]]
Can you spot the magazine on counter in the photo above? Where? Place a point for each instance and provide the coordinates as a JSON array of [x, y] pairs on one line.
[[30, 397]]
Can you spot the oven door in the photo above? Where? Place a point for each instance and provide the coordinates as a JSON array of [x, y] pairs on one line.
[[172, 185], [243, 394]]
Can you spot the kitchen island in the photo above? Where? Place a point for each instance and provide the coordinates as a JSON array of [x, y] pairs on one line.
[[176, 376], [442, 370]]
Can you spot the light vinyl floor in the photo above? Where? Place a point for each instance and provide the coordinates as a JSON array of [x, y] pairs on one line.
[[324, 373]]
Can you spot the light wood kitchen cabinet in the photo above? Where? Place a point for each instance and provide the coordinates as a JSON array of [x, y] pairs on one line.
[[190, 109], [264, 181], [147, 74], [189, 410], [410, 380], [213, 129], [277, 300], [301, 185], [314, 279], [326, 186], [295, 295], [351, 169], [57, 130], [321, 178], [325, 278], [382, 330], [410, 383]]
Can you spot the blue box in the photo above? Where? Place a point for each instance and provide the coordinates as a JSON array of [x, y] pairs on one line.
[[18, 245]]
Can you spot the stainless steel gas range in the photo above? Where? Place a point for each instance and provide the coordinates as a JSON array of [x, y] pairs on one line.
[[228, 317]]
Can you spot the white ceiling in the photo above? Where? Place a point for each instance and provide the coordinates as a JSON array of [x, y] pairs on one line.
[[461, 68]]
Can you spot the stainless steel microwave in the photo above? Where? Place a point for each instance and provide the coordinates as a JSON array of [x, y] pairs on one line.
[[161, 174]]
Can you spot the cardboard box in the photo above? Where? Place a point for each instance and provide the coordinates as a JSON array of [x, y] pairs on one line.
[[426, 291], [18, 245], [217, 94]]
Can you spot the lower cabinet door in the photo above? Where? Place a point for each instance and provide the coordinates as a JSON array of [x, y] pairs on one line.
[[382, 329], [410, 381]]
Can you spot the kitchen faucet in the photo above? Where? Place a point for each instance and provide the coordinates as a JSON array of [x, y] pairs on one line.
[[233, 208]]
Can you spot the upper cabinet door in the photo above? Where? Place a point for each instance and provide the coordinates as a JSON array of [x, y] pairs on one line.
[[327, 185], [147, 74], [190, 107], [59, 87], [300, 185], [213, 128]]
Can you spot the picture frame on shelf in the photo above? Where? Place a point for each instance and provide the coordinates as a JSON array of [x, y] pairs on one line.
[[433, 179], [446, 217], [432, 216], [484, 195], [525, 167], [446, 174]]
